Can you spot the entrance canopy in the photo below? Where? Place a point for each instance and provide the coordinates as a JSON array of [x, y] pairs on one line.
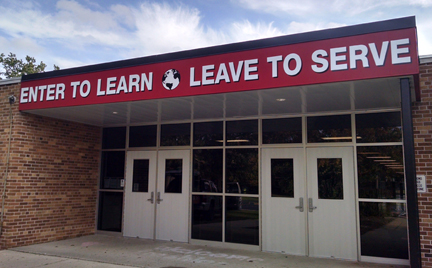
[[334, 97], [343, 69]]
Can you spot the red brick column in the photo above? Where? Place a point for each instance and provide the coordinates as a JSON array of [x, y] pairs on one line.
[[51, 189], [422, 121]]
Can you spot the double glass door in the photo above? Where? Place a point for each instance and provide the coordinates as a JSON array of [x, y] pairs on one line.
[[309, 202], [156, 195]]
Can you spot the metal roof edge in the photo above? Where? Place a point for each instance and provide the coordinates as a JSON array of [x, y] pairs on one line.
[[8, 81], [425, 59], [346, 31]]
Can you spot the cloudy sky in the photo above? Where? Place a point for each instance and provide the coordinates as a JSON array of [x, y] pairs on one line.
[[73, 33]]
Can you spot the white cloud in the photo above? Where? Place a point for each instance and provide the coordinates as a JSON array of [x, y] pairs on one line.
[[424, 30], [164, 28], [308, 8], [74, 34], [301, 27], [245, 30]]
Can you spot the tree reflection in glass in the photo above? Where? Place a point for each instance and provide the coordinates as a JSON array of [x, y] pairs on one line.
[[242, 171], [282, 130], [244, 132], [282, 177], [381, 172], [379, 127], [332, 128], [175, 134], [330, 181], [207, 170], [208, 134]]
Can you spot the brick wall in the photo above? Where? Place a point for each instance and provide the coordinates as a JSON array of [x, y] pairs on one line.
[[422, 121], [52, 184]]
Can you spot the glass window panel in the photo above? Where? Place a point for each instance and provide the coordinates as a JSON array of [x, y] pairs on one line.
[[241, 171], [207, 217], [383, 230], [207, 170], [282, 178], [110, 211], [379, 127], [208, 134], [381, 172], [333, 128], [114, 138], [243, 132], [242, 220], [173, 175], [330, 181], [140, 175], [112, 170], [175, 134], [283, 130], [142, 136]]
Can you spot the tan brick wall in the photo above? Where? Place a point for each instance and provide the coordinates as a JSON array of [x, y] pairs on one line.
[[422, 121], [52, 183]]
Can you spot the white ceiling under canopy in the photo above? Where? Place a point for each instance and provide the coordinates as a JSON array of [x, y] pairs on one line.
[[323, 98]]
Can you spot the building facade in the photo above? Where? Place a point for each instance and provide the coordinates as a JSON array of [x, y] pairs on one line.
[[315, 144]]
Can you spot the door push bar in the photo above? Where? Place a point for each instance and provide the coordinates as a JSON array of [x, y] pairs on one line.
[[158, 198], [151, 199], [311, 207], [300, 206]]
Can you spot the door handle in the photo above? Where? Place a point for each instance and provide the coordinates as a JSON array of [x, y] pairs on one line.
[[158, 198], [311, 207], [151, 199], [300, 206]]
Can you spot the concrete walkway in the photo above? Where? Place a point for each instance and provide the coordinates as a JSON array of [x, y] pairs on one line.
[[106, 251]]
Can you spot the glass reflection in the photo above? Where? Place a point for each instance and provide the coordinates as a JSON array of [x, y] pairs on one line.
[[175, 134], [383, 229], [142, 136], [379, 127], [333, 128], [114, 138], [381, 172], [208, 134], [112, 169], [140, 175], [242, 220], [243, 132], [282, 130], [241, 171], [330, 180], [110, 211], [207, 217], [173, 175], [207, 170], [282, 178]]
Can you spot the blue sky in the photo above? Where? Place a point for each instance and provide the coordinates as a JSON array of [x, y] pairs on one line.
[[72, 33]]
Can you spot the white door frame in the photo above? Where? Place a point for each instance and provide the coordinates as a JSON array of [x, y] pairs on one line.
[[338, 239], [172, 215], [155, 214], [284, 215], [139, 207]]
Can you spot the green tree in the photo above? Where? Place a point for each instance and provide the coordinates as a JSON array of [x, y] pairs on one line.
[[14, 67]]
